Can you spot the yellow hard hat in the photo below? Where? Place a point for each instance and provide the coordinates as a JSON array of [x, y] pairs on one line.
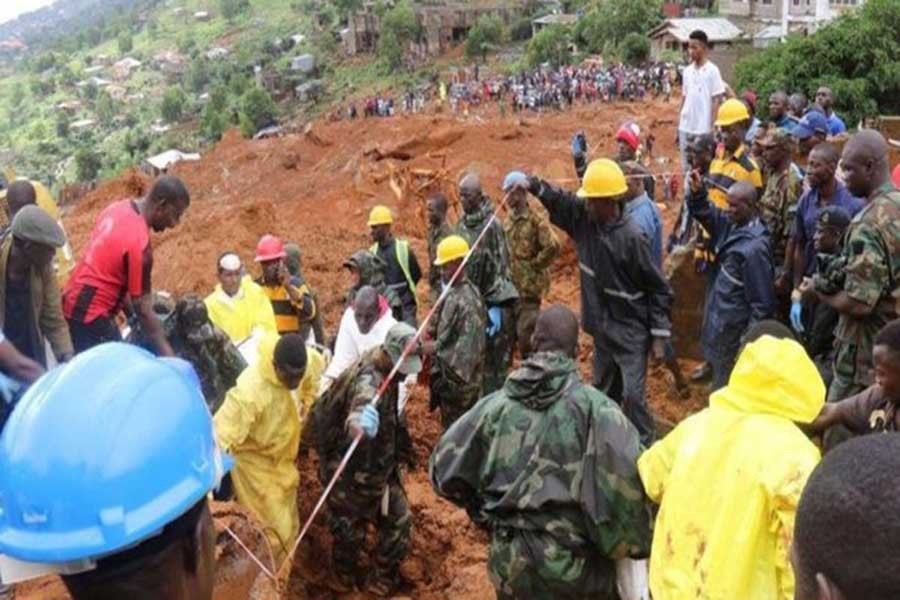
[[603, 179], [451, 248], [380, 215], [732, 111]]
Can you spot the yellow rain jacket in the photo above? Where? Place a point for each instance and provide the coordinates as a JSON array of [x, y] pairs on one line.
[[308, 391], [238, 316], [259, 425], [728, 481]]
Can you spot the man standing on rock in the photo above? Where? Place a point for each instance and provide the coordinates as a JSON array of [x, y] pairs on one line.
[[549, 466], [402, 270], [533, 247], [625, 299], [489, 270], [438, 229], [117, 263], [370, 490]]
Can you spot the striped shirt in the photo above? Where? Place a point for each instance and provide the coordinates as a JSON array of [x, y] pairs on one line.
[[726, 170], [289, 316]]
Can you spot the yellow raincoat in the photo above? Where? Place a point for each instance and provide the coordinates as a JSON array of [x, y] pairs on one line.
[[259, 425], [238, 316], [729, 478]]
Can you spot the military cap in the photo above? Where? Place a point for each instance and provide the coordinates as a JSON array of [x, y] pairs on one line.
[[395, 342], [836, 217], [777, 137], [32, 224]]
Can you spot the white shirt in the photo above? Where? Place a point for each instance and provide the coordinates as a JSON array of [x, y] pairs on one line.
[[699, 85]]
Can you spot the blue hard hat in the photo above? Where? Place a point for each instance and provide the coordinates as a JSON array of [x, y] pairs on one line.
[[101, 454], [512, 178]]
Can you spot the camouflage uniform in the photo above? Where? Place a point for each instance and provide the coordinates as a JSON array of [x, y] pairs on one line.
[[778, 208], [872, 276], [435, 235], [359, 495], [371, 272], [549, 466], [457, 366], [488, 270], [532, 247]]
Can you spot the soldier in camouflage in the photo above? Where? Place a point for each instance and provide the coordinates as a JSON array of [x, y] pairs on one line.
[[549, 466], [368, 269], [871, 288], [533, 247], [369, 491], [458, 333], [488, 270], [438, 229]]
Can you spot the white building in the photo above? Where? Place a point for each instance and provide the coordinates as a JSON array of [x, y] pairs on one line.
[[794, 16]]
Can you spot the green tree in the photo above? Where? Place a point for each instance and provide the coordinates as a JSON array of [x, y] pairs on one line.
[[257, 109], [399, 27], [520, 30], [609, 21], [232, 8], [856, 55], [62, 126], [105, 107], [186, 42], [91, 90], [125, 42], [213, 122], [17, 97], [551, 45], [87, 163], [173, 104], [485, 35], [199, 74], [635, 48]]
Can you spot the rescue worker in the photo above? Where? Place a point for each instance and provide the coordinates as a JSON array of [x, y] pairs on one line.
[[369, 490], [293, 306], [260, 425], [293, 262], [402, 272], [195, 339], [238, 305], [872, 255], [116, 265], [459, 344], [741, 286], [628, 143], [30, 303], [488, 269], [532, 247], [716, 482], [549, 466], [778, 207], [73, 449], [842, 550], [625, 299], [367, 269], [438, 229]]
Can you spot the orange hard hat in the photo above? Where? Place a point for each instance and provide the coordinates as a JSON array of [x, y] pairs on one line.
[[269, 248]]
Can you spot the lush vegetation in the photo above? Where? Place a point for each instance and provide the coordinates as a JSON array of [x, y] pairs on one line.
[[486, 35], [857, 56]]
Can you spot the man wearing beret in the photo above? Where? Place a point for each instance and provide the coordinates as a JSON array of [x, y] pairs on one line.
[[30, 304]]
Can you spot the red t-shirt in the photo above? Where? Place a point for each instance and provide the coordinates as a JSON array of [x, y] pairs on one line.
[[117, 261]]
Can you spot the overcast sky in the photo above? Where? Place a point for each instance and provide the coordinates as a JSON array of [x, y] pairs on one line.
[[10, 9]]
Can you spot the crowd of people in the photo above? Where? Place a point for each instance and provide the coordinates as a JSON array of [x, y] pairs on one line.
[[801, 263]]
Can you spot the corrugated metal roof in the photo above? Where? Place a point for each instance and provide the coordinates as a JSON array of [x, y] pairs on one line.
[[770, 32], [169, 157], [556, 19], [717, 29]]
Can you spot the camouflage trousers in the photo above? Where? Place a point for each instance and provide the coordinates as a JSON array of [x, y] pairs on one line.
[[498, 352], [455, 406], [351, 511], [844, 384], [529, 565], [527, 311]]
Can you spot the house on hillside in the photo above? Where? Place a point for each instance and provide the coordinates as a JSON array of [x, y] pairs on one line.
[[170, 62], [202, 15], [791, 16], [123, 68], [554, 19], [97, 81], [727, 42], [81, 125], [116, 92], [305, 63], [93, 70], [217, 53], [69, 106], [155, 166]]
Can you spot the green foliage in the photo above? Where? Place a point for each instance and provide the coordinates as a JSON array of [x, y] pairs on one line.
[[91, 90], [550, 45], [215, 117], [62, 126], [186, 42], [199, 74], [125, 42], [485, 35], [856, 55], [635, 48], [105, 107], [87, 163], [399, 27], [257, 109], [173, 104], [18, 95], [609, 21], [232, 8], [520, 30]]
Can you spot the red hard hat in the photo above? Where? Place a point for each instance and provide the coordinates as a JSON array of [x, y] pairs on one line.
[[269, 248], [629, 133]]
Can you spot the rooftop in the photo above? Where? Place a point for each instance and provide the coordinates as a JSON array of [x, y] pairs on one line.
[[717, 29]]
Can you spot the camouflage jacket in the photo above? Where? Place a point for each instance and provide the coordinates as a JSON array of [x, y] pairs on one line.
[[829, 276], [215, 358], [372, 272], [532, 247], [435, 235], [458, 362], [375, 460], [488, 266], [552, 463], [778, 208], [872, 277]]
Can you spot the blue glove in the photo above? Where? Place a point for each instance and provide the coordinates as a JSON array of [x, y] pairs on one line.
[[796, 314], [579, 144], [495, 316], [368, 421]]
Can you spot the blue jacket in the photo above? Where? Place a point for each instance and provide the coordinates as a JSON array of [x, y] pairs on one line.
[[742, 280], [645, 214]]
